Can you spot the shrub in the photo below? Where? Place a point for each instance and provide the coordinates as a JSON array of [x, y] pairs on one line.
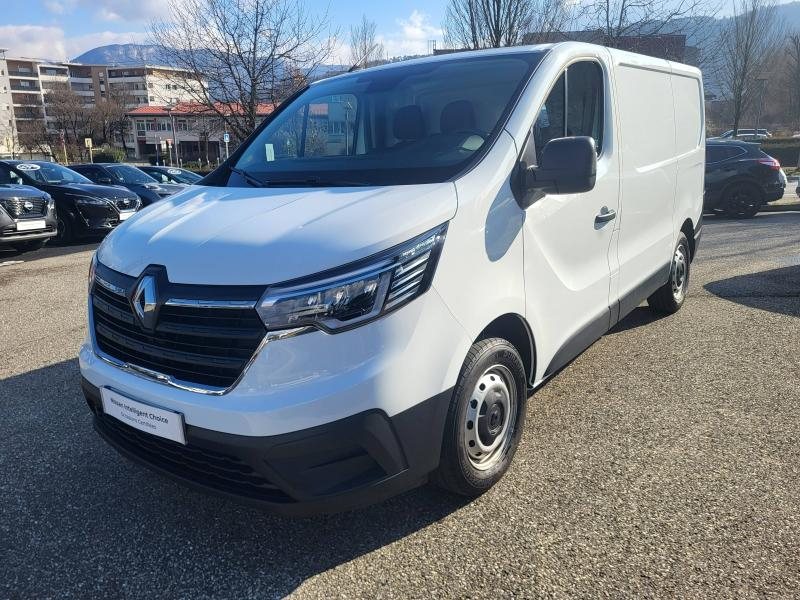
[[785, 150], [108, 154]]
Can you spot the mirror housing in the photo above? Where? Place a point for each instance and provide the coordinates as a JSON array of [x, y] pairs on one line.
[[567, 166], [105, 180]]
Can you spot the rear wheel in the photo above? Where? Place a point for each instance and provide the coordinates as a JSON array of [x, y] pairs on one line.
[[742, 201], [485, 420], [670, 297], [29, 246]]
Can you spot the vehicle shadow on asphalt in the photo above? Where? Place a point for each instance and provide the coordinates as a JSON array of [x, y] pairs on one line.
[[49, 251], [79, 518], [638, 317], [776, 290]]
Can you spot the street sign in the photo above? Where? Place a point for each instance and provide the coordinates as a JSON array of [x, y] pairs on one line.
[[226, 137], [87, 142]]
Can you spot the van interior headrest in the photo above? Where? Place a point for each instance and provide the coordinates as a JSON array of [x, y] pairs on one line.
[[408, 123], [457, 116]]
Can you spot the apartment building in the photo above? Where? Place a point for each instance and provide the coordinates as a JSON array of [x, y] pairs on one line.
[[8, 132], [151, 85], [25, 83]]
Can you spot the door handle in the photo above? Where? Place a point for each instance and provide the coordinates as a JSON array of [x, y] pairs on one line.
[[605, 215]]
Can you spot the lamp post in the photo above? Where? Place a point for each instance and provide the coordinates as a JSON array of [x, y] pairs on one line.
[[762, 84]]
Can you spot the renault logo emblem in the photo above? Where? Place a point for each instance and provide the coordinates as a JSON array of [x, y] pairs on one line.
[[143, 302], [28, 206]]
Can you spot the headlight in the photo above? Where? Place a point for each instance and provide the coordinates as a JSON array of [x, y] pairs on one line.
[[90, 201], [358, 293], [92, 267]]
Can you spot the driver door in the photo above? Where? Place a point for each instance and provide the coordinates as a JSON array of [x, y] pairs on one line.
[[570, 239]]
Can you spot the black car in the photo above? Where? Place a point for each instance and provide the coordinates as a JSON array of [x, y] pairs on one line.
[[82, 208], [740, 177], [171, 175], [128, 176], [27, 216]]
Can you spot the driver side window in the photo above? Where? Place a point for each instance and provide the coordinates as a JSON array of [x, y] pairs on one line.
[[9, 176], [574, 107]]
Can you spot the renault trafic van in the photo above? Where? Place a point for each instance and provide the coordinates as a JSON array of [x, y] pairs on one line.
[[362, 298]]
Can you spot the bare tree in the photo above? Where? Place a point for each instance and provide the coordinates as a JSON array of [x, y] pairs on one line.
[[69, 114], [238, 54], [552, 16], [365, 50], [487, 23], [110, 116], [621, 18], [748, 42], [792, 78]]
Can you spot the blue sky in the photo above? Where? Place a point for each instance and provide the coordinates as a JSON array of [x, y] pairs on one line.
[[62, 29]]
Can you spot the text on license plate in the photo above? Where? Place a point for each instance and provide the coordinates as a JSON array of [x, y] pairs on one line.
[[144, 417], [31, 225]]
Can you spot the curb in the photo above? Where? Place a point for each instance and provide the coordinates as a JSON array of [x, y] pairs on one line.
[[794, 207]]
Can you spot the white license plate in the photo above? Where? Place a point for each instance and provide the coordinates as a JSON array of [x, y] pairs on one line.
[[144, 417], [125, 214], [31, 225]]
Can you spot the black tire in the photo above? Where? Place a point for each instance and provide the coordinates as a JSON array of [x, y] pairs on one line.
[[65, 232], [30, 246], [742, 201], [669, 298], [457, 471]]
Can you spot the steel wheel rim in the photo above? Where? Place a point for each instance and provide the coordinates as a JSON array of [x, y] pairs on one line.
[[679, 273], [489, 420]]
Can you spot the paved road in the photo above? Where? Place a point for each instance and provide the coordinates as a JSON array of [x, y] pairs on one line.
[[665, 461]]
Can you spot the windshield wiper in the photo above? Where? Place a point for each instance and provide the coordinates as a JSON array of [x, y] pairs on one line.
[[248, 178]]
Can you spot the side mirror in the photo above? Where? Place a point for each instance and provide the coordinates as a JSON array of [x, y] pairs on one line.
[[104, 180], [567, 166]]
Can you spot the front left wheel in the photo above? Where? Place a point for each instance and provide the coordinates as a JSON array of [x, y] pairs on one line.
[[485, 420]]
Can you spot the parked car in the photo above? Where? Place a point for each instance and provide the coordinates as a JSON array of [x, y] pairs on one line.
[[130, 177], [328, 322], [27, 216], [745, 134], [171, 175], [740, 178], [82, 208]]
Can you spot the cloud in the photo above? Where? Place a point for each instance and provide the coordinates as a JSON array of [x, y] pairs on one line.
[[141, 11], [38, 41], [33, 40], [412, 36]]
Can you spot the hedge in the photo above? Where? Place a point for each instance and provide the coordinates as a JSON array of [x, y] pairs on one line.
[[785, 150]]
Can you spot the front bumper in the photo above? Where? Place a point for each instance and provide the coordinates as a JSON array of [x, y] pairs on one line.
[[342, 465], [10, 235], [332, 421]]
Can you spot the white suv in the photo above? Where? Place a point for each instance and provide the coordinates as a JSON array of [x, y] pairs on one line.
[[363, 296]]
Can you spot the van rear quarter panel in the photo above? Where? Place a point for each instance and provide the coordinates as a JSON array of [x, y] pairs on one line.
[[687, 90]]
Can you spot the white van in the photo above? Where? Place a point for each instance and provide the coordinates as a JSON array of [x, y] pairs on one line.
[[364, 295]]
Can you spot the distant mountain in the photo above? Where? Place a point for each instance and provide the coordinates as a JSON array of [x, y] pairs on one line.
[[121, 54]]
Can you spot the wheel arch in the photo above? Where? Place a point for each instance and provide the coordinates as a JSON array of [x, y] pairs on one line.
[[514, 328], [688, 230]]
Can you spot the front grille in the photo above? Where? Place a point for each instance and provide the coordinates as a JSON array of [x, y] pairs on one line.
[[125, 203], [15, 207], [199, 345], [206, 467]]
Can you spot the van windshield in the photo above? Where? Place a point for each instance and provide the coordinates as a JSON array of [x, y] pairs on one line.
[[415, 123]]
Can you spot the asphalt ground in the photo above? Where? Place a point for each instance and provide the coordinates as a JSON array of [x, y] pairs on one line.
[[663, 462]]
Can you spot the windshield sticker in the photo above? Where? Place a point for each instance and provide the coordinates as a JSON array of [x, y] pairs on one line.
[[270, 152], [174, 171], [28, 167]]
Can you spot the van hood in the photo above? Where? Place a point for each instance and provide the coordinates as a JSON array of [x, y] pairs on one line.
[[255, 236]]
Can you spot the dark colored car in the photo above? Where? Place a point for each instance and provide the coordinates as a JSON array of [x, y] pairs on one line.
[[128, 176], [740, 177], [82, 208], [27, 217], [171, 175]]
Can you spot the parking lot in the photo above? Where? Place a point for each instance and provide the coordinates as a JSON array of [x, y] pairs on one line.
[[664, 461]]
